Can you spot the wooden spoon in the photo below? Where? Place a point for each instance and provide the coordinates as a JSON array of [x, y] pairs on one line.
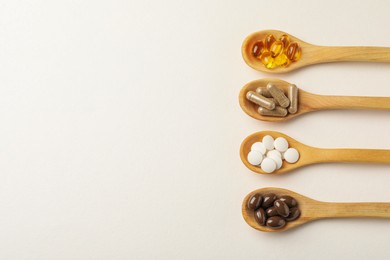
[[312, 54], [311, 155], [308, 102], [312, 210]]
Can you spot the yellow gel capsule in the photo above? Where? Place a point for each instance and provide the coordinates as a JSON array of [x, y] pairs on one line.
[[258, 48], [298, 54], [293, 51], [268, 41], [282, 60], [276, 48], [267, 60], [285, 39]]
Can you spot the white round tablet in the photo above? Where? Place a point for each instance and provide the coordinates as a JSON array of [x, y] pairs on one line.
[[259, 146], [277, 160], [291, 155], [255, 157], [268, 165], [281, 144], [268, 142], [275, 153]]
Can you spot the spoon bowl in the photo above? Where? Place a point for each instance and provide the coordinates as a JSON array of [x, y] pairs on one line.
[[304, 152], [308, 102], [306, 206], [255, 63], [312, 54], [311, 155], [250, 108], [311, 210]]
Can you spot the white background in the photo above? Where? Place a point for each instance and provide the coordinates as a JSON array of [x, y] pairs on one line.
[[120, 129]]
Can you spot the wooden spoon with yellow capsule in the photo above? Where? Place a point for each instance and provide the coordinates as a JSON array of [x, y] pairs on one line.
[[261, 51], [311, 210], [311, 155], [308, 102]]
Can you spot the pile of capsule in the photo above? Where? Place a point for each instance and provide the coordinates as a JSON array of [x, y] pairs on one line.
[[273, 212], [269, 154], [274, 53], [273, 101]]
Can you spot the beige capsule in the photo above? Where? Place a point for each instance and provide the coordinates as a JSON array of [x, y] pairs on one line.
[[293, 97], [260, 100], [263, 91], [278, 111], [278, 95]]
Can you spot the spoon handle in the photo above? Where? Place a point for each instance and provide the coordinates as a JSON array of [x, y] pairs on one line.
[[351, 155], [347, 210], [320, 102], [355, 53]]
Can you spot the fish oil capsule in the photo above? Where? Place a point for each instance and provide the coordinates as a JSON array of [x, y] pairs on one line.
[[264, 92], [293, 51], [278, 95], [276, 48], [269, 40], [258, 48], [285, 39], [267, 60], [282, 60], [293, 97], [260, 100], [278, 111]]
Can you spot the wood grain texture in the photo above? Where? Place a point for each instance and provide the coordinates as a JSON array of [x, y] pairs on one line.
[[312, 155], [314, 210], [308, 102], [313, 54]]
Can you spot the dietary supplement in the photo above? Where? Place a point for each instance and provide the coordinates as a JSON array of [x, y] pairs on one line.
[[274, 211], [260, 100], [269, 155], [278, 95], [274, 52], [293, 97], [278, 111], [264, 92], [273, 101]]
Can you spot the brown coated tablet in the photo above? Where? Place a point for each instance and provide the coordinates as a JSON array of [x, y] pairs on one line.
[[255, 201], [276, 222], [268, 200], [281, 208]]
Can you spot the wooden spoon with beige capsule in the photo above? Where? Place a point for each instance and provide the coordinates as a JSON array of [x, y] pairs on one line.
[[311, 210], [308, 102], [311, 155], [310, 54]]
